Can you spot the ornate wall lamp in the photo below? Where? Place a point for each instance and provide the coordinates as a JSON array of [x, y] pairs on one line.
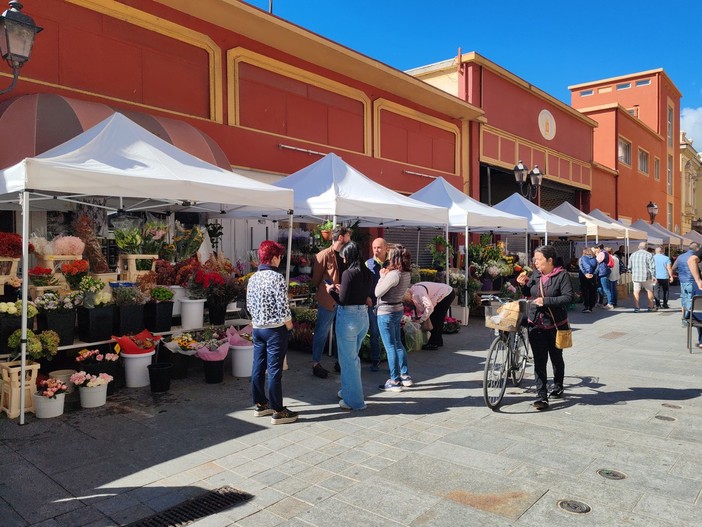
[[652, 209], [17, 32], [528, 181]]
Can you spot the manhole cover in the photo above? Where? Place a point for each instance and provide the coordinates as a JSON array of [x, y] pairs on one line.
[[195, 509], [665, 418], [671, 405], [611, 474], [576, 507]]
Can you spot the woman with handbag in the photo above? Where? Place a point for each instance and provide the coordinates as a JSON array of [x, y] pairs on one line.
[[394, 281], [551, 291]]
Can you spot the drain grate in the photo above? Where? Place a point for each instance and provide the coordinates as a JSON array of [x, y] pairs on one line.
[[195, 509], [611, 474], [665, 418], [576, 507], [671, 405]]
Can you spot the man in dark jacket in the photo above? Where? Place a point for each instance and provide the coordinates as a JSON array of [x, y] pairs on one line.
[[588, 286], [375, 264]]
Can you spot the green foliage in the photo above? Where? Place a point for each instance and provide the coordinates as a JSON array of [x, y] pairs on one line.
[[161, 294], [438, 248], [128, 296]]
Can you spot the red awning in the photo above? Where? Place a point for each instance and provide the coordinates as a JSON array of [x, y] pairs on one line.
[[33, 124]]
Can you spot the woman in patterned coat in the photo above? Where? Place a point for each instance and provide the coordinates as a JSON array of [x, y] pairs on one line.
[[267, 302]]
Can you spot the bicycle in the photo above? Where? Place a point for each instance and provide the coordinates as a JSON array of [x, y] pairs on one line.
[[509, 351]]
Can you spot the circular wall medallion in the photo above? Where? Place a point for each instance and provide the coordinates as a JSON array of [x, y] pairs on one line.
[[547, 125]]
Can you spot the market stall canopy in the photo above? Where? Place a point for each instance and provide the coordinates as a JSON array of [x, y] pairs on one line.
[[694, 236], [464, 211], [657, 230], [119, 159], [632, 233], [596, 228], [540, 220], [331, 187]]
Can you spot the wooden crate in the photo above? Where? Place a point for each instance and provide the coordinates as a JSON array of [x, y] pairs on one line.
[[11, 386], [128, 265], [11, 273], [54, 261]]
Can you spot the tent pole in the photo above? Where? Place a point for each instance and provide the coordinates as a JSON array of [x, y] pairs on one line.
[[465, 283], [419, 234], [447, 255], [25, 282], [290, 229]]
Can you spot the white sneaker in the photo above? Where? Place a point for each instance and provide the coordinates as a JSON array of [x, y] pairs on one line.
[[338, 394], [406, 380], [344, 406]]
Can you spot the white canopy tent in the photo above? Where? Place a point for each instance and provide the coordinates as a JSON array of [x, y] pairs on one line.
[[595, 228], [540, 220], [657, 230], [631, 232], [119, 159], [694, 236]]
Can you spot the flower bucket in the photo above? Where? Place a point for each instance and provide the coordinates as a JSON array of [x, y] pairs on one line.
[[192, 313], [135, 369], [160, 376], [92, 396], [158, 316], [216, 314], [214, 371], [242, 360], [128, 320], [95, 324], [178, 294], [65, 377], [48, 407], [62, 322]]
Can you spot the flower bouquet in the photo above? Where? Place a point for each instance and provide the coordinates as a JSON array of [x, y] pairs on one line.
[[83, 379], [144, 342], [86, 356], [10, 245], [14, 309], [93, 388], [451, 325], [49, 398], [187, 241], [154, 236], [59, 314], [74, 272], [66, 245], [128, 236], [42, 346], [42, 276]]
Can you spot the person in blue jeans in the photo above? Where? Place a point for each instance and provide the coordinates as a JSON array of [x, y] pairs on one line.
[[267, 301], [602, 273], [375, 264], [688, 287], [394, 282], [352, 297]]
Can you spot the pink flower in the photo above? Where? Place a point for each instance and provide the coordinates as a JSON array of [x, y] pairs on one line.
[[99, 357]]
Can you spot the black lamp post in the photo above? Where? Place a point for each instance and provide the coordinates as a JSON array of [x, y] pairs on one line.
[[652, 209], [528, 181], [697, 225], [17, 32]]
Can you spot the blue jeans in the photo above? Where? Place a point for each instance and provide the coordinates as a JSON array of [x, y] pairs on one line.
[[325, 318], [606, 291], [270, 347], [613, 292], [374, 334], [390, 330], [351, 329], [687, 291]]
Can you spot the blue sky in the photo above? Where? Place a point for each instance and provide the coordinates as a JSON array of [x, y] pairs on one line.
[[549, 43]]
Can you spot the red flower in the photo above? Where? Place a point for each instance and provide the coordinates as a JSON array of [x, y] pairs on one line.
[[74, 268], [11, 245], [40, 271]]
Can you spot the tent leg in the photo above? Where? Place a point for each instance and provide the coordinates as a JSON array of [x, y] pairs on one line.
[[25, 281]]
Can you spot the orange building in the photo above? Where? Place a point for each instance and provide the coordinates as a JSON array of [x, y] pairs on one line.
[[522, 122], [230, 82], [637, 136]]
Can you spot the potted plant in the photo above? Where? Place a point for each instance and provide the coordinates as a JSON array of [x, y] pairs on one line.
[[74, 272], [438, 246], [158, 311], [11, 320], [96, 313], [59, 314], [49, 398], [96, 362], [92, 388], [451, 325], [212, 349], [129, 310], [42, 347], [326, 229], [137, 353]]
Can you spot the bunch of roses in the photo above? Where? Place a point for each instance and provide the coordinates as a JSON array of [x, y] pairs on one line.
[[75, 268], [10, 245], [14, 309], [91, 356], [42, 276], [86, 380], [51, 388]]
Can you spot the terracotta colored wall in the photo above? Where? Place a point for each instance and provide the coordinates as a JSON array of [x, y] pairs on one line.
[[604, 191]]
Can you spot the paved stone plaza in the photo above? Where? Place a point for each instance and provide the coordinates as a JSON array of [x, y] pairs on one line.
[[432, 455]]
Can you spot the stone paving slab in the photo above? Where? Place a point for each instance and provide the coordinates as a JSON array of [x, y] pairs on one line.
[[432, 455]]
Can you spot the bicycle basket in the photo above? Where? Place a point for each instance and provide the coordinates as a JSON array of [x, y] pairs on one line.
[[504, 317]]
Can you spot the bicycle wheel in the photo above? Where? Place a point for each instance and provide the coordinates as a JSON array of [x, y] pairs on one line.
[[495, 374], [520, 352]]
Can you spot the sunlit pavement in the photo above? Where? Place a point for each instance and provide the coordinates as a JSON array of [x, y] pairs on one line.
[[431, 455]]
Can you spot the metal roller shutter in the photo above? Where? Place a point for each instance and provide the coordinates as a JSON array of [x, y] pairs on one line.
[[415, 240]]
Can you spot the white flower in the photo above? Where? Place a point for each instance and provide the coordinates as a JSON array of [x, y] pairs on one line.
[[11, 310], [4, 306]]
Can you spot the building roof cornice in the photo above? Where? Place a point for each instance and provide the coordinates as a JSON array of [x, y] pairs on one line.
[[612, 80]]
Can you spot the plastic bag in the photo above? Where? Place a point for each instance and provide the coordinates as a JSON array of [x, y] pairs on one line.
[[413, 336]]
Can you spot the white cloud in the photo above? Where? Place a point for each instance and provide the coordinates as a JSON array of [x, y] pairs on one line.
[[691, 124]]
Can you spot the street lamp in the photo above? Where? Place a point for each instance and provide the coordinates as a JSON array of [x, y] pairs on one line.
[[528, 181], [17, 32], [652, 209], [697, 225]]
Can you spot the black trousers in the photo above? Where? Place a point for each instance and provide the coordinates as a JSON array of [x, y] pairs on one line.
[[543, 346], [588, 289], [437, 319], [662, 289]]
